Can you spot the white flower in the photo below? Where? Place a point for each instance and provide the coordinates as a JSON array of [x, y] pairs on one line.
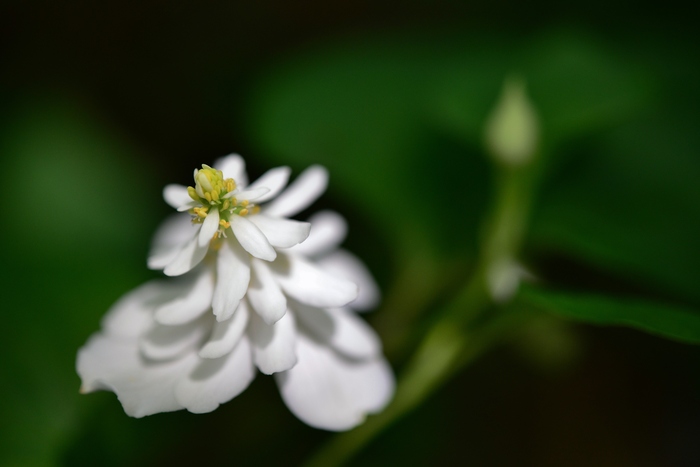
[[222, 201], [258, 298]]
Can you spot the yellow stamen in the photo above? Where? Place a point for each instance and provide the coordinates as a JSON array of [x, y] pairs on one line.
[[193, 193], [213, 191], [201, 212]]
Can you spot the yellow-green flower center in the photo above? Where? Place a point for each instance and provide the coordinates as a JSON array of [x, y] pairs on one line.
[[212, 191]]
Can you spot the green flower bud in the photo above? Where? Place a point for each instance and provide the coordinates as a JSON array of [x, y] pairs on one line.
[[512, 129]]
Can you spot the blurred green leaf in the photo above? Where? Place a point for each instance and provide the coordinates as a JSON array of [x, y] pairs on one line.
[[666, 320], [359, 109], [398, 120], [576, 84], [78, 219], [85, 184], [631, 203], [628, 200]]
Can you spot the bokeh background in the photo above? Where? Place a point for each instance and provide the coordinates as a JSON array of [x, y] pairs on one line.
[[102, 104]]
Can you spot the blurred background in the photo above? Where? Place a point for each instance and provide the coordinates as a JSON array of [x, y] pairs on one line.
[[103, 105]]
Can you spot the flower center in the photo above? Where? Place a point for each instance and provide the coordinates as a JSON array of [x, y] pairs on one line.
[[212, 191]]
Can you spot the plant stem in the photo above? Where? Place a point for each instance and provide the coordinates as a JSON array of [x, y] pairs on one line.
[[450, 344], [443, 353]]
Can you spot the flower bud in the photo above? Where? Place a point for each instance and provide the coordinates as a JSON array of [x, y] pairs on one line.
[[512, 129], [209, 184]]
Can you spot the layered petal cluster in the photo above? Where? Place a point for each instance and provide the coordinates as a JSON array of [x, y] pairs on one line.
[[256, 290]]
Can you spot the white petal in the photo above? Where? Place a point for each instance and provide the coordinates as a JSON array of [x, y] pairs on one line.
[[273, 345], [342, 263], [215, 381], [209, 227], [163, 342], [131, 315], [327, 391], [341, 329], [252, 239], [189, 300], [188, 206], [280, 232], [187, 258], [233, 166], [274, 179], [328, 230], [248, 195], [226, 334], [312, 286], [176, 195], [144, 387], [233, 276], [171, 236], [265, 294], [299, 195]]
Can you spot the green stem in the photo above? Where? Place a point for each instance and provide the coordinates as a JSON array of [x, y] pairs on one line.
[[443, 353], [450, 344]]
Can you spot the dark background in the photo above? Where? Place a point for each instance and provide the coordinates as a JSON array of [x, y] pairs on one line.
[[102, 105]]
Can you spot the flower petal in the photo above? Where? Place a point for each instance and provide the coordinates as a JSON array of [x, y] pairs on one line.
[[189, 300], [233, 166], [251, 194], [188, 206], [171, 236], [342, 263], [144, 387], [307, 187], [273, 345], [131, 315], [226, 334], [274, 179], [265, 294], [233, 276], [252, 239], [310, 285], [163, 342], [215, 381], [187, 258], [209, 227], [280, 232], [330, 392], [328, 230], [176, 195], [341, 329]]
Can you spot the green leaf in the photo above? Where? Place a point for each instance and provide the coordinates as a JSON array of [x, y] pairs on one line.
[[576, 84], [631, 205], [360, 111], [83, 184], [79, 225], [670, 321], [629, 200], [399, 119]]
